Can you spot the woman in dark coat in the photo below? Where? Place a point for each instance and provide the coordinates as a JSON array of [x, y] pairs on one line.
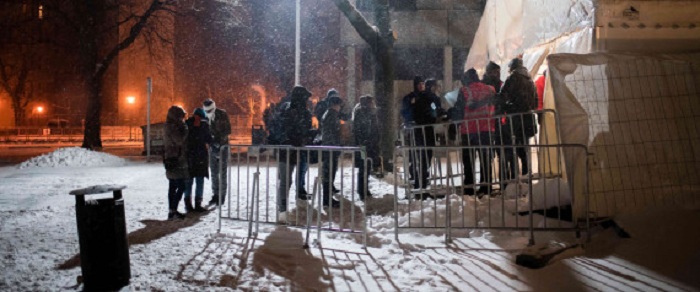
[[175, 158], [199, 136]]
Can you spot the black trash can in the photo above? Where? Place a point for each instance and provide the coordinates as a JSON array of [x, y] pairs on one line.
[[104, 249], [258, 135]]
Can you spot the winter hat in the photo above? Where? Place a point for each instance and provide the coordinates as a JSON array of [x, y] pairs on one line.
[[471, 76], [515, 63], [200, 112], [209, 105], [416, 80], [430, 84], [300, 92], [492, 66], [332, 92], [334, 100]]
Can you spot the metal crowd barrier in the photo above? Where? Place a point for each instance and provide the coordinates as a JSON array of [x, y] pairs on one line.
[[254, 183], [443, 204]]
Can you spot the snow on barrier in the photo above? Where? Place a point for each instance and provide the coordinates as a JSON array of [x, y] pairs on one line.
[[525, 174], [451, 200], [262, 188]]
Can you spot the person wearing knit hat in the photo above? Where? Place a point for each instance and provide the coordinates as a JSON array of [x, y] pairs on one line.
[[492, 76], [407, 107], [517, 98], [322, 106], [198, 137], [220, 127]]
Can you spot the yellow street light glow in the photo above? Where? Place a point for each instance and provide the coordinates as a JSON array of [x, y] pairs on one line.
[[130, 99], [40, 109]]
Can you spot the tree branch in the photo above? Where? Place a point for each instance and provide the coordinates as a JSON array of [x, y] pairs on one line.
[[367, 32]]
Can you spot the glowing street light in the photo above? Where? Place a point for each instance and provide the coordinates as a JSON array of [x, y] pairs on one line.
[[39, 109], [130, 99]]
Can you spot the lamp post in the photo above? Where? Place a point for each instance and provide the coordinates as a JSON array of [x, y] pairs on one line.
[[130, 100]]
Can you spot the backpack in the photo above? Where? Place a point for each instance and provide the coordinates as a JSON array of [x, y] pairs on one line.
[[276, 133]]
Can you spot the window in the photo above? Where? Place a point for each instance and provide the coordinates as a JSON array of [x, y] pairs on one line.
[[40, 13]]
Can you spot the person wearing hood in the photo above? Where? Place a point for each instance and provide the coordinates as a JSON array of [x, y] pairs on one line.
[[407, 108], [296, 121], [477, 130], [517, 97], [175, 158], [197, 140], [365, 129], [220, 127], [330, 133], [323, 105], [492, 76]]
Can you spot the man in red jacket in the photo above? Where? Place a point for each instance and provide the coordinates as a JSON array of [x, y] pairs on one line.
[[477, 130]]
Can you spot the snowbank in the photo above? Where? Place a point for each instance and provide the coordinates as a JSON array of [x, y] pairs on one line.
[[73, 157], [546, 194]]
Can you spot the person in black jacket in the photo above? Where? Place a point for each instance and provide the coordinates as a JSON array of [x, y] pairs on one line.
[[427, 110], [197, 158], [365, 129], [296, 121], [330, 133], [518, 96]]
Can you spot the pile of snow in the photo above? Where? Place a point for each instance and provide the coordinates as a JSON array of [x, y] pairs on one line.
[[547, 193], [73, 157]]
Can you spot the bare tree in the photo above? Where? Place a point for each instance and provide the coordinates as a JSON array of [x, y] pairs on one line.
[[93, 33], [381, 40], [14, 79], [17, 54]]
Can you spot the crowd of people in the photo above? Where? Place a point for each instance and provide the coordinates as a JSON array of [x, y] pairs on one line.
[[193, 147], [488, 113]]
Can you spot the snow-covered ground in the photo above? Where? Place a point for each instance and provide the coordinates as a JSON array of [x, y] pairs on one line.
[[38, 235]]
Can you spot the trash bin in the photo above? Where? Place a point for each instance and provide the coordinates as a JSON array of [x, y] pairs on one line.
[[104, 249], [258, 135]]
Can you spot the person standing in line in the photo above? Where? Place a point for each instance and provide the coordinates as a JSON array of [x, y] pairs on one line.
[[492, 76], [407, 105], [330, 133], [296, 131], [518, 96], [175, 158], [477, 130], [365, 130], [220, 127], [426, 111], [198, 138]]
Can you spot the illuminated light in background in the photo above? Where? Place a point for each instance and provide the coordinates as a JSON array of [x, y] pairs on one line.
[[130, 99], [39, 109]]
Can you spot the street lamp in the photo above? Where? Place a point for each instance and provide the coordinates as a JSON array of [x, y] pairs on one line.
[[130, 99], [39, 109]]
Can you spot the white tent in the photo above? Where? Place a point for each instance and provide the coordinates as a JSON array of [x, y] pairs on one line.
[[624, 79]]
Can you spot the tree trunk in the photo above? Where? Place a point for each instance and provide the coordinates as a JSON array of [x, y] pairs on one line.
[[92, 137], [382, 43], [384, 54]]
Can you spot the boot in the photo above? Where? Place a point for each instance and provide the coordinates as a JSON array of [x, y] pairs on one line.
[[198, 206], [188, 205]]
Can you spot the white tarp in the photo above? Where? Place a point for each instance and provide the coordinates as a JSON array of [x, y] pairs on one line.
[[637, 114], [632, 110], [509, 28]]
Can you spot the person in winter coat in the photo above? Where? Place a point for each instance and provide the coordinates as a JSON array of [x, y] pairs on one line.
[[517, 97], [492, 76], [477, 130], [296, 121], [365, 129], [427, 110], [323, 105], [198, 138], [220, 127], [175, 158], [407, 104], [330, 131]]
